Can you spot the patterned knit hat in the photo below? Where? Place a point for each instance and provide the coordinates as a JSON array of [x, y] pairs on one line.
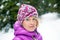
[[26, 11]]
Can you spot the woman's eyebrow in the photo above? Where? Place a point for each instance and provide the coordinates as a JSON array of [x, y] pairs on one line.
[[34, 17]]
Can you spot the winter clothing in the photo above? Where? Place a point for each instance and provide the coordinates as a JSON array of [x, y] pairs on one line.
[[26, 11], [22, 34], [19, 31]]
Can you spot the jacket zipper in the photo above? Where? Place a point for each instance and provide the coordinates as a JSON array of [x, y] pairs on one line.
[[34, 38]]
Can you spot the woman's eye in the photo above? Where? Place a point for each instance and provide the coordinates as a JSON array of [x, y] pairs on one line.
[[27, 19], [34, 19]]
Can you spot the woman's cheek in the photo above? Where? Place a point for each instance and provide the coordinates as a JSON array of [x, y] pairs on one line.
[[36, 23]]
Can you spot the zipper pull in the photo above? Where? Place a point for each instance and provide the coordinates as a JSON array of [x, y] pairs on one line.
[[34, 38]]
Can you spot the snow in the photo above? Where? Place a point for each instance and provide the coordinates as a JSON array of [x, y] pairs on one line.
[[18, 4], [7, 36], [2, 6], [49, 28]]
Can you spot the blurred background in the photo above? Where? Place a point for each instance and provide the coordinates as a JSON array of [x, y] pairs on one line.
[[49, 17]]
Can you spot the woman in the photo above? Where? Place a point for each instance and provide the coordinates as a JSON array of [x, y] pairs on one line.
[[25, 28]]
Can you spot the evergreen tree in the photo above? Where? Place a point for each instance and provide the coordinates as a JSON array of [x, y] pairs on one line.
[[9, 9]]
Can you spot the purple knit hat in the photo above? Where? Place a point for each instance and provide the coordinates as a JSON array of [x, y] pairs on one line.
[[26, 11]]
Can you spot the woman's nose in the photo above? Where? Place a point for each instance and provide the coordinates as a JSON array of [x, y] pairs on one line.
[[32, 22]]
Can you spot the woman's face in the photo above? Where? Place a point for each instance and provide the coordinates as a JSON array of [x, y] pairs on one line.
[[30, 23]]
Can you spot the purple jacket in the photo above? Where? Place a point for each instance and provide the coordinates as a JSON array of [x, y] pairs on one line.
[[22, 34]]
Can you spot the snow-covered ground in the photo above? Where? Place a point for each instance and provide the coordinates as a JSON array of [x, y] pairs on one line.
[[49, 27], [7, 36]]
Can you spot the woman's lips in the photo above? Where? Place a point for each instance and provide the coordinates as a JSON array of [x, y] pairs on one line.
[[32, 26]]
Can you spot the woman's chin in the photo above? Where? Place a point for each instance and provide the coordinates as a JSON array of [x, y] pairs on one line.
[[31, 30]]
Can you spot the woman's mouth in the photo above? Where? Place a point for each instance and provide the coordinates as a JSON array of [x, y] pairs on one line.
[[32, 26]]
